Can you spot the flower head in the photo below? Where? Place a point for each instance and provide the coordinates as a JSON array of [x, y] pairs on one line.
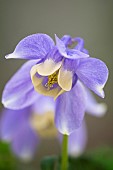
[[24, 128], [57, 68], [57, 71]]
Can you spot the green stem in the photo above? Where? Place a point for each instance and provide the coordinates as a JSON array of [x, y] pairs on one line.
[[64, 163]]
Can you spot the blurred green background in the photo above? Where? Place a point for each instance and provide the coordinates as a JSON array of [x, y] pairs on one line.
[[90, 19]]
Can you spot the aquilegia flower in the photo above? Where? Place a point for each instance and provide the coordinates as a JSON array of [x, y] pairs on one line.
[[56, 67], [24, 128], [55, 70]]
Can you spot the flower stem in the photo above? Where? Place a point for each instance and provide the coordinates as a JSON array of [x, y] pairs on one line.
[[64, 163]]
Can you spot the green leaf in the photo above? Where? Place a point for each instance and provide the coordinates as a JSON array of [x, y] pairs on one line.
[[100, 159], [49, 163], [83, 163], [7, 161], [103, 156]]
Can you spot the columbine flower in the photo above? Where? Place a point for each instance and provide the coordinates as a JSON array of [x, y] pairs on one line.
[[55, 69], [24, 128]]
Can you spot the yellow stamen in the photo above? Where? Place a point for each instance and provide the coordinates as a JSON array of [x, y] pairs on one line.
[[52, 79]]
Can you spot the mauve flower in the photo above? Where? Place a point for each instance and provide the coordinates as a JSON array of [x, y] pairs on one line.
[[56, 67], [24, 128], [55, 70], [19, 126]]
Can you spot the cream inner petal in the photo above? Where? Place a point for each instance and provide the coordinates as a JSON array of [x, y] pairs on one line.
[[35, 80], [44, 124], [65, 79], [60, 92], [40, 88], [48, 67]]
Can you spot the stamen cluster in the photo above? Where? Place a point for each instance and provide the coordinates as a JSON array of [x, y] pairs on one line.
[[52, 79]]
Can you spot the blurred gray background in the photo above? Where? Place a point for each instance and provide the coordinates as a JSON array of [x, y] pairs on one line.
[[90, 19]]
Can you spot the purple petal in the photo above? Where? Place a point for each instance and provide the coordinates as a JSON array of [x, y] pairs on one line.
[[19, 91], [69, 53], [44, 104], [70, 65], [70, 109], [94, 74], [77, 141], [85, 51], [54, 55], [80, 44], [75, 54], [93, 107], [24, 143], [61, 46], [11, 122], [35, 46], [67, 40]]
